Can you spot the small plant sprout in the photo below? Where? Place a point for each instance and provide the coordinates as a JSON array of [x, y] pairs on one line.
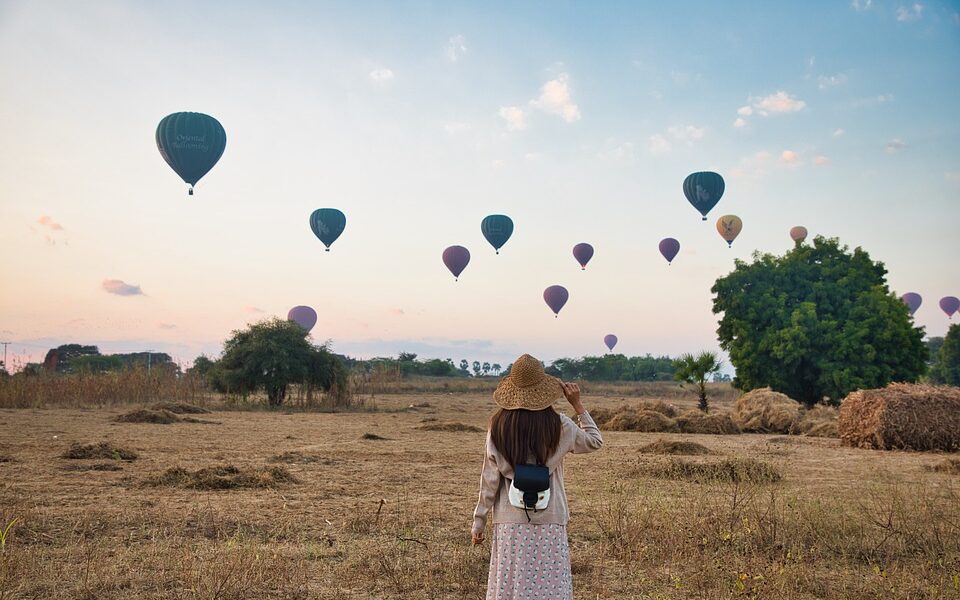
[[4, 533]]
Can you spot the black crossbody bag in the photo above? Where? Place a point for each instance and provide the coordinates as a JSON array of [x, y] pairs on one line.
[[530, 488]]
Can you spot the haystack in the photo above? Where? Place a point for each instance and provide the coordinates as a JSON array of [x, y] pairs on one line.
[[663, 446], [819, 421], [718, 423], [766, 411], [641, 420], [901, 415]]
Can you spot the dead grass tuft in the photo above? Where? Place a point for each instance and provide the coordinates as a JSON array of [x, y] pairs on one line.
[[450, 427], [949, 465], [902, 416], [181, 408], [102, 450], [373, 436], [5, 458], [727, 470], [716, 423], [224, 477], [145, 415], [303, 458], [93, 467], [663, 446]]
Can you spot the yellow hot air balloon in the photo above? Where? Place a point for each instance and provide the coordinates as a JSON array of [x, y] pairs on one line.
[[729, 227]]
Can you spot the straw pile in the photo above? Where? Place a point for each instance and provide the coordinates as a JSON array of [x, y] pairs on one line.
[[766, 411], [643, 420], [907, 416], [819, 421], [717, 423]]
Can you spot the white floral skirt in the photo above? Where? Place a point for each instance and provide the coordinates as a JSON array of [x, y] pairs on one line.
[[529, 561]]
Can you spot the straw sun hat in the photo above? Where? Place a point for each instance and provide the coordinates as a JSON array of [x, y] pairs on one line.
[[527, 386]]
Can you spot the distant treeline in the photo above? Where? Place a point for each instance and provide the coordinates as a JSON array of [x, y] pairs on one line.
[[79, 358]]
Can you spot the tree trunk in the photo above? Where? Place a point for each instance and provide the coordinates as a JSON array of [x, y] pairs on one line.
[[703, 397]]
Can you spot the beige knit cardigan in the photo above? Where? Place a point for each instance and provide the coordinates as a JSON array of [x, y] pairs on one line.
[[497, 474]]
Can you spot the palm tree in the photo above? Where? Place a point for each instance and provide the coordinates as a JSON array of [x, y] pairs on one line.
[[696, 369]]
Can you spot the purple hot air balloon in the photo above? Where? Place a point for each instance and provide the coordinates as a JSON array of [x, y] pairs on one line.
[[583, 252], [456, 258], [912, 300], [304, 316], [669, 248], [556, 296], [610, 340], [950, 305]]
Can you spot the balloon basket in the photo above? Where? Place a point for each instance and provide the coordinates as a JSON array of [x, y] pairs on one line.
[[190, 191], [703, 219], [327, 250]]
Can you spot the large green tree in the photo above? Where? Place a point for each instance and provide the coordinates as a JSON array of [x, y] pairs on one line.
[[815, 323], [946, 368], [273, 354]]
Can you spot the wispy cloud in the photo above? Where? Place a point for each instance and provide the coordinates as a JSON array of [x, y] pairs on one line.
[[907, 14], [895, 145], [821, 161], [381, 75], [687, 134], [790, 158], [861, 5], [118, 287], [952, 176], [775, 104], [515, 117], [825, 82], [839, 132], [456, 47], [455, 127], [166, 326], [659, 144], [555, 98], [614, 150], [48, 222], [253, 310]]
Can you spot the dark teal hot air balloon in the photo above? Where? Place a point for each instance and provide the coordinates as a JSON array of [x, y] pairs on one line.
[[191, 143], [497, 229], [327, 224], [703, 190]]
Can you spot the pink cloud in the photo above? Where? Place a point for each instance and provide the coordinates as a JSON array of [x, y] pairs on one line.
[[48, 222], [120, 288]]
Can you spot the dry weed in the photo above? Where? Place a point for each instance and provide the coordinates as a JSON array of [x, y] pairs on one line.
[[663, 446], [99, 450]]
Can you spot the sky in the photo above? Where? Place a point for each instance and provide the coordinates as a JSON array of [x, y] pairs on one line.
[[580, 120]]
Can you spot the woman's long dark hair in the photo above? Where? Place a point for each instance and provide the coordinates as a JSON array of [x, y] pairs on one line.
[[523, 434]]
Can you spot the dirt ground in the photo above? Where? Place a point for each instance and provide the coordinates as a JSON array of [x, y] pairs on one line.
[[390, 518]]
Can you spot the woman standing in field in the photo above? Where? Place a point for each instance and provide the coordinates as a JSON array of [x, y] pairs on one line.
[[526, 444]]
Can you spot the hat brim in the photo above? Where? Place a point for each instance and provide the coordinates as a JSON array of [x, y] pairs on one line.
[[509, 396]]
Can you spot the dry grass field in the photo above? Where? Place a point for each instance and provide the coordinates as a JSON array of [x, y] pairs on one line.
[[371, 504]]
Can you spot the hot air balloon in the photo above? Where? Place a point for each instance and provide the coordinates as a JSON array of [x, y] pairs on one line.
[[949, 305], [583, 252], [556, 296], [191, 143], [729, 227], [497, 229], [798, 233], [669, 248], [610, 340], [912, 300], [456, 258], [327, 224], [304, 316], [703, 190]]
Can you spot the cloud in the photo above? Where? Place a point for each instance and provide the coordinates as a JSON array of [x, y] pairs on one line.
[[456, 127], [913, 13], [615, 151], [753, 167], [825, 82], [48, 222], [533, 156], [789, 157], [821, 161], [861, 5], [686, 133], [555, 99], [838, 132], [118, 287], [397, 312], [253, 310], [381, 75], [659, 144], [895, 145], [166, 326], [952, 176], [456, 48], [515, 117], [775, 104]]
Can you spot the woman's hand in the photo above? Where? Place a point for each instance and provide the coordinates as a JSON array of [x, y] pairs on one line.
[[572, 393], [477, 537]]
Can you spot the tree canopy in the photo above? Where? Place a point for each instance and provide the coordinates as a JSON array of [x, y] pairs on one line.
[[614, 367], [271, 355], [946, 366], [817, 322], [696, 370]]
